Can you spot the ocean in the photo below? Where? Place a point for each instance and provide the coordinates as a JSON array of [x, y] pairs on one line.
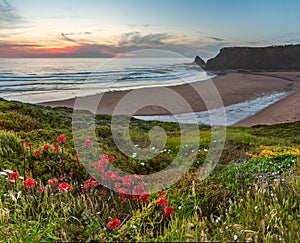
[[39, 80]]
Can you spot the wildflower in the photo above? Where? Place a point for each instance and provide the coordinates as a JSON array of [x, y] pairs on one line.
[[56, 149], [37, 153], [41, 188], [168, 211], [64, 187], [87, 143], [46, 147], [235, 237], [127, 180], [123, 191], [52, 181], [117, 186], [13, 176], [160, 193], [61, 139], [29, 144], [102, 192], [103, 161], [101, 169], [22, 141], [139, 177], [138, 190], [111, 159], [92, 182], [144, 197], [114, 223], [29, 182], [103, 156], [115, 175], [162, 202]]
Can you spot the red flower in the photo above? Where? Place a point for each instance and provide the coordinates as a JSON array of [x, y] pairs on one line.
[[22, 141], [160, 193], [52, 181], [92, 182], [117, 186], [169, 210], [46, 147], [144, 197], [103, 161], [114, 223], [162, 202], [64, 187], [111, 159], [29, 144], [37, 153], [138, 190], [61, 139], [103, 156], [41, 188], [139, 177], [101, 169], [13, 176], [96, 163], [123, 191], [29, 182], [127, 180], [102, 192], [114, 176], [56, 149], [88, 143]]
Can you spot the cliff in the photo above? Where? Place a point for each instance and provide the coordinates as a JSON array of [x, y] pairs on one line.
[[257, 58]]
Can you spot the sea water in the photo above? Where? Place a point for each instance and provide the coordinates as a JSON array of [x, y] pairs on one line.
[[37, 80]]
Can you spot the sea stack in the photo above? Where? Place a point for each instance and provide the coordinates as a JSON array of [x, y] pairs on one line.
[[199, 61]]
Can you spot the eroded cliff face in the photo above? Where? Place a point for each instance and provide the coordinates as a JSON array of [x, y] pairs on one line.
[[257, 58]]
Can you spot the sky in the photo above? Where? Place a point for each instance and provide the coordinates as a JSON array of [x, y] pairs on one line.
[[109, 28]]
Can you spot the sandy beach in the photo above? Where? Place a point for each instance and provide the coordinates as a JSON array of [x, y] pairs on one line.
[[284, 111], [233, 87]]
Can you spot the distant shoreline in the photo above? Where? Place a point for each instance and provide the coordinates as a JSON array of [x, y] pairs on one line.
[[233, 87]]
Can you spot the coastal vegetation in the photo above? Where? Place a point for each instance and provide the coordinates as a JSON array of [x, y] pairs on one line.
[[253, 194]]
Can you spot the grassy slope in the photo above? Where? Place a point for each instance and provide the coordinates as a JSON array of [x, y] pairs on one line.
[[244, 199]]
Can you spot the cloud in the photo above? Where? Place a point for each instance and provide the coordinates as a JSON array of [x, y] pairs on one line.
[[79, 33], [9, 17], [11, 45], [64, 37], [215, 38], [136, 38], [140, 25]]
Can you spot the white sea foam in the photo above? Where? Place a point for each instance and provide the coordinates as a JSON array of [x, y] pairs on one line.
[[234, 113]]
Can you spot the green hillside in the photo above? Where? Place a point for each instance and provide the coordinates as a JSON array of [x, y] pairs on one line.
[[253, 194]]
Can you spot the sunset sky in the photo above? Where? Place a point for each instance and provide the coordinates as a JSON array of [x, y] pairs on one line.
[[107, 28]]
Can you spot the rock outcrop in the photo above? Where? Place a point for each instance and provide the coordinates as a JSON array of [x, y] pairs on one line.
[[199, 61], [257, 58]]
